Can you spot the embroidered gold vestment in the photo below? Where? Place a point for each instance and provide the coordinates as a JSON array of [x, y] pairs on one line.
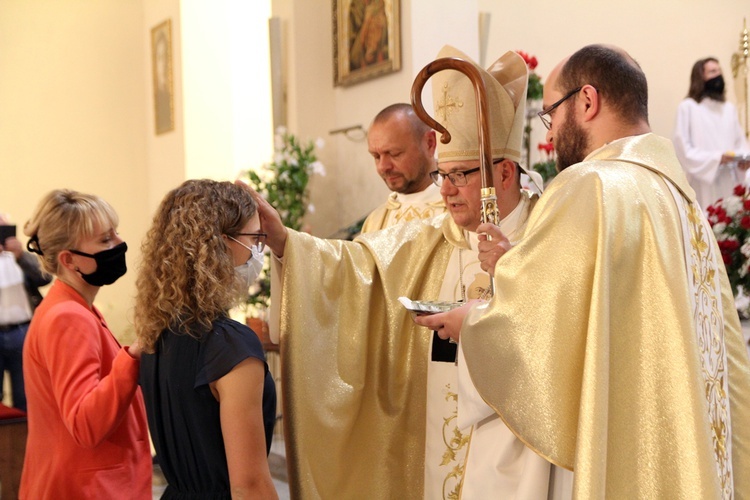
[[588, 350], [354, 364], [404, 208]]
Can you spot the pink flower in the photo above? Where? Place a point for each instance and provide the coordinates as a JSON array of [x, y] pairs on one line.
[[745, 222], [739, 190]]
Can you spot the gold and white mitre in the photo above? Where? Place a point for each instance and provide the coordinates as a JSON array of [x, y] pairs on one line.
[[505, 82]]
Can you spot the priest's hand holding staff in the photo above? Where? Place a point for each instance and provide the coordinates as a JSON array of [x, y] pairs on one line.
[[492, 245]]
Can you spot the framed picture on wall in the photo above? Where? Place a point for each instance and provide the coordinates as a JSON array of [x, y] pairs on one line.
[[161, 64], [366, 39]]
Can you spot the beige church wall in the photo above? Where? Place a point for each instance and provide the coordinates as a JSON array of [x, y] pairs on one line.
[[72, 98], [665, 37], [165, 153], [226, 87], [307, 81]]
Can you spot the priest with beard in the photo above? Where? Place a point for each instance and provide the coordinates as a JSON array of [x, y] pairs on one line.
[[370, 406], [612, 346], [708, 137]]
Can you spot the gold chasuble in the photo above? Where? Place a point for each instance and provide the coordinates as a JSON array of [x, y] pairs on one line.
[[354, 363], [603, 372]]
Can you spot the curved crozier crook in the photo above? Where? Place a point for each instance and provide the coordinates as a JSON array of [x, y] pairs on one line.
[[416, 100], [480, 95]]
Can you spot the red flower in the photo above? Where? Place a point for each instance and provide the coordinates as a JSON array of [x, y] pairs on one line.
[[530, 60], [547, 147], [728, 246], [732, 245], [733, 234]]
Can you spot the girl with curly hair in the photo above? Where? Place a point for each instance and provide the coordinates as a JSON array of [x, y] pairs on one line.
[[88, 436], [202, 373]]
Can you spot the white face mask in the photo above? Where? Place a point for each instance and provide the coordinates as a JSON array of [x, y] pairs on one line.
[[250, 270]]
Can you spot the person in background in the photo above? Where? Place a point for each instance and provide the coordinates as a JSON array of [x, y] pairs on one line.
[[20, 279], [403, 148], [203, 375], [88, 436], [708, 138]]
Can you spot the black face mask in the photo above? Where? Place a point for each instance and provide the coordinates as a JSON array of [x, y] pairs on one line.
[[110, 265], [714, 86]]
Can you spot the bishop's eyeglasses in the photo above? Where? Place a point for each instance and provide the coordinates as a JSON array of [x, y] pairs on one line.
[[458, 179], [259, 239], [543, 115]]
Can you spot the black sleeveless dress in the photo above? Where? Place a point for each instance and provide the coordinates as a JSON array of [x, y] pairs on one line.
[[183, 415]]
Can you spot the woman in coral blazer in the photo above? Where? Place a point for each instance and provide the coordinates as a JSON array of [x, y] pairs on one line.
[[88, 434]]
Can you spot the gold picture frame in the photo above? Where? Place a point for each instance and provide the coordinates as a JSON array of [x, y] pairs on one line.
[[161, 67], [366, 40]]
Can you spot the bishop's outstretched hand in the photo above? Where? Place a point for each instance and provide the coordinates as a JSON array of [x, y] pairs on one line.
[[270, 222]]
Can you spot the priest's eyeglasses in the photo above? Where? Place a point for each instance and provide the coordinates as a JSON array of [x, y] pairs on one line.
[[259, 239], [543, 115], [458, 179]]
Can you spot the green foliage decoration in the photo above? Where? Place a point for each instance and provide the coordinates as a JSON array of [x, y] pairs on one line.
[[284, 184]]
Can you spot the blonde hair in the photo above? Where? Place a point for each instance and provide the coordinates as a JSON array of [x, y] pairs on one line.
[[187, 279], [62, 220]]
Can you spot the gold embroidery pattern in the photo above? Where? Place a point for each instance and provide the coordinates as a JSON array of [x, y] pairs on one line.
[[414, 212], [447, 104], [454, 441], [708, 318]]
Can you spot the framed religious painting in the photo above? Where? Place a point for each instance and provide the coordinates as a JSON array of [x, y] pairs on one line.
[[366, 40], [161, 65]]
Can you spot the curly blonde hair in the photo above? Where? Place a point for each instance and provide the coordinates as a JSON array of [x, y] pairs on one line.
[[187, 279], [62, 219]]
